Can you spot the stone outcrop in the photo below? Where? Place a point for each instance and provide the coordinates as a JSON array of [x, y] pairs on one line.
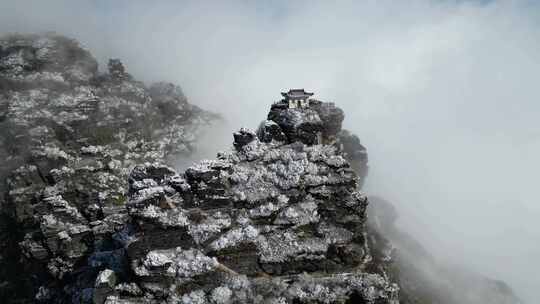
[[278, 222], [69, 136], [278, 219], [319, 123]]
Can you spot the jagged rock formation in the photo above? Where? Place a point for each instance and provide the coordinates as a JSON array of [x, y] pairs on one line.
[[274, 221], [319, 123], [69, 136]]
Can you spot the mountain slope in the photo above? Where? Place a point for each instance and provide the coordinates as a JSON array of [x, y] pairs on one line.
[[69, 138]]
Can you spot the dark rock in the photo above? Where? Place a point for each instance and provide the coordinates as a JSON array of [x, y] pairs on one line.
[[354, 152], [104, 286], [302, 125], [117, 70], [169, 101], [70, 136], [331, 116], [269, 130], [318, 123], [249, 228], [243, 137]]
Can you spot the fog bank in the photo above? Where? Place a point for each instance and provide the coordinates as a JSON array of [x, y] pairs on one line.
[[444, 94]]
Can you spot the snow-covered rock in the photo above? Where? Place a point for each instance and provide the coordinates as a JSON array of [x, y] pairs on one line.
[[69, 137]]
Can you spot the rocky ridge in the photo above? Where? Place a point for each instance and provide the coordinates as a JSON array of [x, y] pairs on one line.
[[69, 136], [276, 220]]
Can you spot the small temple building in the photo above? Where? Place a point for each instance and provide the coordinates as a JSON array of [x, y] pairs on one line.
[[297, 117], [297, 98]]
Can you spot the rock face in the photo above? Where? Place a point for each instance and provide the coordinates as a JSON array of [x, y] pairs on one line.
[[317, 124], [277, 222], [69, 137]]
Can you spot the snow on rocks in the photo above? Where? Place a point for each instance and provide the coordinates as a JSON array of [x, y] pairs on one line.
[[287, 209], [71, 136]]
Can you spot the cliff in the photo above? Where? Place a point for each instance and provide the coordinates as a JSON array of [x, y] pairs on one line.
[[276, 220]]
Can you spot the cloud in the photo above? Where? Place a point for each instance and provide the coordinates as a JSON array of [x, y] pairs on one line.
[[443, 93]]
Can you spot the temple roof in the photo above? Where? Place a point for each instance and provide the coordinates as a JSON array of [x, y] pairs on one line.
[[296, 93]]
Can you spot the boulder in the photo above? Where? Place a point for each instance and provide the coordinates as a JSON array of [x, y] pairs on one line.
[[243, 137], [270, 130]]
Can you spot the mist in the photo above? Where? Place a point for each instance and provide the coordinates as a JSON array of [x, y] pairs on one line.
[[444, 94]]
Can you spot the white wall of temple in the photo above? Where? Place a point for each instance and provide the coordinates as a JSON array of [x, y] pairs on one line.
[[298, 103]]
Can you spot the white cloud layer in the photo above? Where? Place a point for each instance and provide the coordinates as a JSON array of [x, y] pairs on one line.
[[445, 95]]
